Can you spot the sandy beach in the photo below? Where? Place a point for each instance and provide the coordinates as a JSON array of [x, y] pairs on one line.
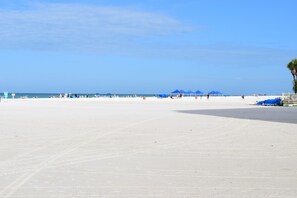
[[224, 147]]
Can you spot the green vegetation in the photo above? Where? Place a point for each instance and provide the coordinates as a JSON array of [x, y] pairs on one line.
[[292, 66]]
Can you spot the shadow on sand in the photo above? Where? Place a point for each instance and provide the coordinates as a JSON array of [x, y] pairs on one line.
[[272, 114]]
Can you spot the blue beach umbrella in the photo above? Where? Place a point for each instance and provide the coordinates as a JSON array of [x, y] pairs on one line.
[[189, 92], [176, 92], [182, 91], [198, 92], [215, 93]]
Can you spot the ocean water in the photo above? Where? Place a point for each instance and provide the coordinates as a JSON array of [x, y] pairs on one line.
[[56, 95]]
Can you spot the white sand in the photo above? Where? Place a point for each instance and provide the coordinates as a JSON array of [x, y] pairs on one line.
[[67, 148]]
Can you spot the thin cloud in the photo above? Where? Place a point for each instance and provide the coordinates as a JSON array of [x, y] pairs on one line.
[[85, 27], [102, 30]]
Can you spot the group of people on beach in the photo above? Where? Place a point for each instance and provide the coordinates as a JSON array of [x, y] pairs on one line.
[[177, 96], [207, 96]]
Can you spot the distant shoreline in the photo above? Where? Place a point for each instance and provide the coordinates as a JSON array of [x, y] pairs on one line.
[[108, 95]]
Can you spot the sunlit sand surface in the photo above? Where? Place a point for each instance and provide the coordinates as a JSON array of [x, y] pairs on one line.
[[68, 148]]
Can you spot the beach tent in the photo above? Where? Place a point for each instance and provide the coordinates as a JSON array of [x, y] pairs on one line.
[[198, 92], [176, 92], [216, 93]]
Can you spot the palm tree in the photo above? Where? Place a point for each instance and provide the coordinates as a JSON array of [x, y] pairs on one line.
[[292, 66]]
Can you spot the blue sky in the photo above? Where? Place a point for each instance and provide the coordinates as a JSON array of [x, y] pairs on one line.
[[148, 46]]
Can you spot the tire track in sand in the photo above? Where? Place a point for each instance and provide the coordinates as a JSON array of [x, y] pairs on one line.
[[20, 181]]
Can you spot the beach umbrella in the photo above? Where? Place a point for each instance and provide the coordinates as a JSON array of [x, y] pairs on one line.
[[198, 92], [182, 91], [189, 92], [215, 93], [176, 92]]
